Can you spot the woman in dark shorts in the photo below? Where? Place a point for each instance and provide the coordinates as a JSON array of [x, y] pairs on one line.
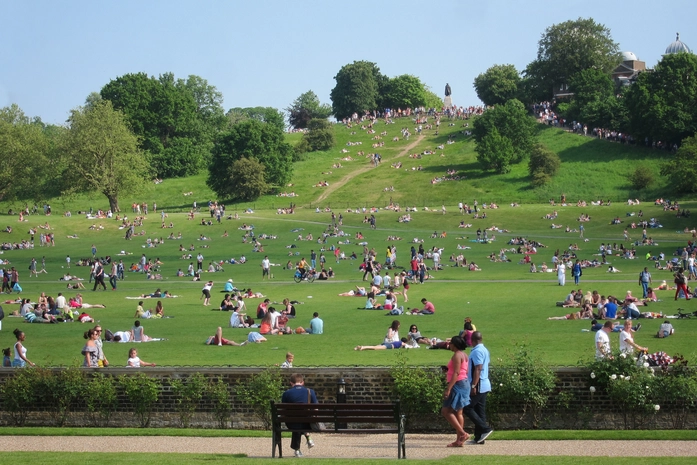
[[206, 293]]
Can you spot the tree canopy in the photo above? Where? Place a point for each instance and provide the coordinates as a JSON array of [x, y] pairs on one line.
[[103, 154], [175, 120], [320, 135], [250, 138], [567, 48], [681, 169], [497, 85], [595, 101], [268, 115], [25, 156], [405, 91], [357, 89], [305, 108], [504, 135], [663, 104]]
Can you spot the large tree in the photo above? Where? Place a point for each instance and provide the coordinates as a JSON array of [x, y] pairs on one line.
[[103, 154], [595, 101], [681, 169], [320, 135], [27, 167], [567, 48], [250, 139], [663, 104], [405, 91], [267, 115], [175, 120], [305, 108], [511, 123], [497, 85], [357, 89]]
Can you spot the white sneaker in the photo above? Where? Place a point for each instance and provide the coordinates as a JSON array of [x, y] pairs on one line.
[[298, 453], [310, 443]]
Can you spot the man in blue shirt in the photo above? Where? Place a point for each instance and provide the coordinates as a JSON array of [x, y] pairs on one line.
[[316, 324], [478, 375], [299, 394], [611, 308]]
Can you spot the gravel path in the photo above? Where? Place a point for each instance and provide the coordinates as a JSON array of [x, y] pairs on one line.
[[419, 446]]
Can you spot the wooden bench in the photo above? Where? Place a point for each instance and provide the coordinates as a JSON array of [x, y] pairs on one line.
[[338, 418]]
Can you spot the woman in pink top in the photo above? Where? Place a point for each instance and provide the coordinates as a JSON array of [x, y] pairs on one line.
[[457, 393]]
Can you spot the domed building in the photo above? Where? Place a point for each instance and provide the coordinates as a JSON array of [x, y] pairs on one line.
[[627, 71], [677, 47]]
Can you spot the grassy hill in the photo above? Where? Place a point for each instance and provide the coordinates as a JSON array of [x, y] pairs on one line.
[[505, 300], [591, 169]]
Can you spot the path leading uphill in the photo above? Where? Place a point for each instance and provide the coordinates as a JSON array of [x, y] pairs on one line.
[[341, 182]]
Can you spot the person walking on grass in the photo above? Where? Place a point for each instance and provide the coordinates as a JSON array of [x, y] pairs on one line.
[[299, 394], [644, 281], [480, 386], [681, 284], [99, 276]]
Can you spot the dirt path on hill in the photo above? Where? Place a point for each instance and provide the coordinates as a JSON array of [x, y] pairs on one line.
[[341, 182]]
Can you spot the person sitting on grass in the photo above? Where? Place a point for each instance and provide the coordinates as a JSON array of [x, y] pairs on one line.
[[429, 308], [138, 333], [219, 340], [665, 330], [267, 324], [134, 361]]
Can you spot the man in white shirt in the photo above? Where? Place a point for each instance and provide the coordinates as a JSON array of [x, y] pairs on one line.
[[602, 341], [436, 259], [265, 264], [60, 301]]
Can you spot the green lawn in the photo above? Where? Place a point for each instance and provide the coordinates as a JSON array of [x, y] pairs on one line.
[[506, 302]]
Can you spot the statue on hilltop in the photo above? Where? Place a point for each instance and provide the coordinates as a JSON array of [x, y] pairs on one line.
[[448, 91]]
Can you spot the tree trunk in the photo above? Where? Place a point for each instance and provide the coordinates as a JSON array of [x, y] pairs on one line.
[[113, 203]]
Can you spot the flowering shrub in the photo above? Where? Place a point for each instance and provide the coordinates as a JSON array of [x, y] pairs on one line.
[[677, 389], [522, 381]]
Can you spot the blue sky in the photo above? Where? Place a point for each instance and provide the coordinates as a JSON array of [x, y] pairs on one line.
[[266, 53]]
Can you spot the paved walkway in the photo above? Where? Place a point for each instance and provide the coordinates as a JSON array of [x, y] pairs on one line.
[[419, 446]]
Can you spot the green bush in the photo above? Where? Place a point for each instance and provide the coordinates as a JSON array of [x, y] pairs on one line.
[[101, 399], [142, 392], [543, 164], [419, 390], [19, 395], [218, 393], [188, 394], [63, 390], [641, 178], [540, 178], [524, 382], [258, 392], [676, 389]]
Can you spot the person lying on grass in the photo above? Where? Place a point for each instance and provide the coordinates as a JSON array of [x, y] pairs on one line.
[[403, 343], [218, 340]]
